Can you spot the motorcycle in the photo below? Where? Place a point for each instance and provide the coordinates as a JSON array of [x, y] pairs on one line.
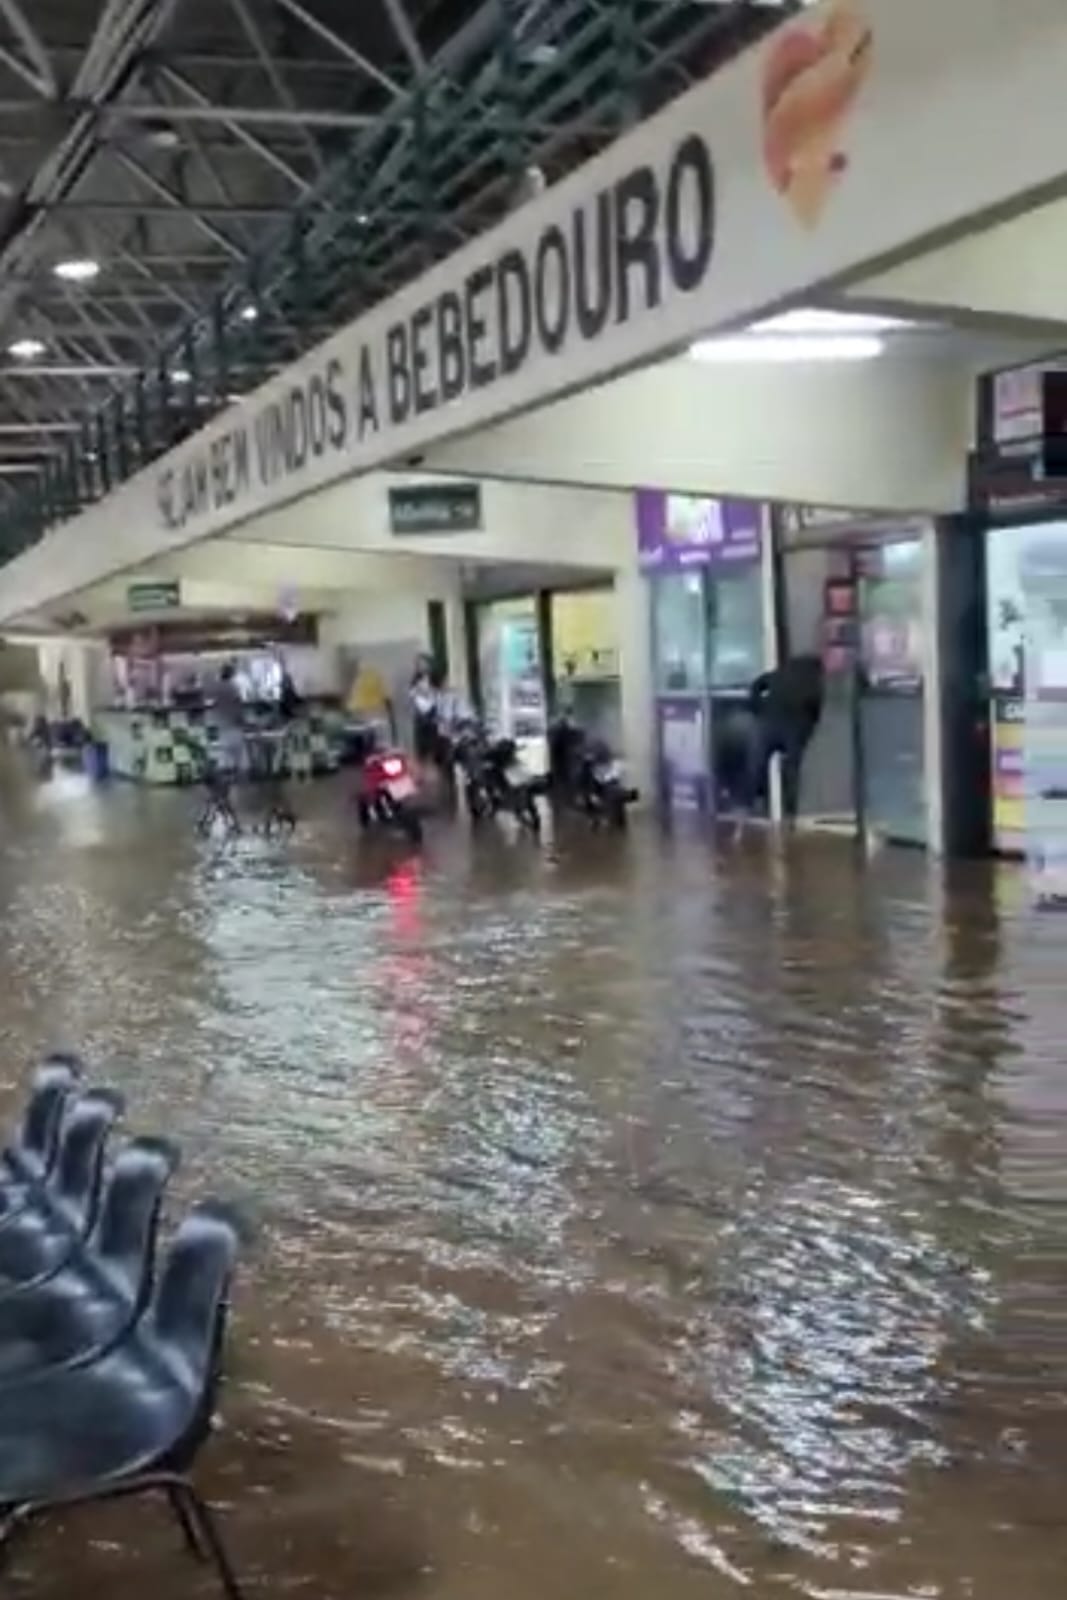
[[587, 777], [388, 794], [495, 780]]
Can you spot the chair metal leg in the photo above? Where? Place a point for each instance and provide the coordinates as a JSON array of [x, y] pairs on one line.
[[197, 1522], [187, 1522], [15, 1525], [211, 1539]]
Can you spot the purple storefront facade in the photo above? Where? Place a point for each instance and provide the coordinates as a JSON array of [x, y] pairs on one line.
[[704, 563]]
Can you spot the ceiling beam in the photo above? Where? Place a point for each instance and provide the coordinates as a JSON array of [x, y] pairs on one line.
[[173, 207], [10, 429], [26, 370], [193, 94], [39, 73], [274, 76], [243, 116], [405, 32], [355, 57], [174, 202]]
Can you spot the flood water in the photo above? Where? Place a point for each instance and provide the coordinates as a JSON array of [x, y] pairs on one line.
[[631, 1218]]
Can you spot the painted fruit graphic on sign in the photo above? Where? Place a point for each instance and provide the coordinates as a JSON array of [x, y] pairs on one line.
[[813, 75]]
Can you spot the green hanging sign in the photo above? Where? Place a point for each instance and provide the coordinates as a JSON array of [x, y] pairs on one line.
[[141, 597]]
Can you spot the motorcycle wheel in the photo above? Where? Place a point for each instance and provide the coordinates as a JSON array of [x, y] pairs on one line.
[[529, 814], [615, 809], [411, 823], [476, 804]]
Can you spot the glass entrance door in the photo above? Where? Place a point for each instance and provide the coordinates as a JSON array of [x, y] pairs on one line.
[[890, 706], [512, 674]]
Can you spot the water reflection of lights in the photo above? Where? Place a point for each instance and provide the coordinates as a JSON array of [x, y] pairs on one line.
[[828, 1375], [403, 974], [404, 890]]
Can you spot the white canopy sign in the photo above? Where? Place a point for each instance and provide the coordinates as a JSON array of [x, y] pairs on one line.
[[856, 131]]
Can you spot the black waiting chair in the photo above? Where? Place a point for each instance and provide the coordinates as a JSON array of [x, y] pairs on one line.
[[92, 1302], [38, 1240], [133, 1422], [28, 1160]]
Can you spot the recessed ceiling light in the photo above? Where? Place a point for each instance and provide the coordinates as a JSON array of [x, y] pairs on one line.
[[79, 269], [181, 375], [26, 349], [163, 135], [249, 313], [752, 349], [816, 320]]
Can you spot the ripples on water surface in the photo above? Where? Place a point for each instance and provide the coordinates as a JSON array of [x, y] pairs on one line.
[[629, 1220]]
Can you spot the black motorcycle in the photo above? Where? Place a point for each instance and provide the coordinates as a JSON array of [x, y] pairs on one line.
[[587, 777], [494, 779]]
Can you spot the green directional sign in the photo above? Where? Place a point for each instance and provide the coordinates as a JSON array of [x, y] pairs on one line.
[[141, 597], [436, 508]]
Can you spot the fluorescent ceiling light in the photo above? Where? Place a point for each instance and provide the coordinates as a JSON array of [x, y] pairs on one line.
[[26, 349], [181, 375], [807, 333], [752, 348], [80, 269], [811, 319]]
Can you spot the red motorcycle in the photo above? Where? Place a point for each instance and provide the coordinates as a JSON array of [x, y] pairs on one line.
[[389, 795]]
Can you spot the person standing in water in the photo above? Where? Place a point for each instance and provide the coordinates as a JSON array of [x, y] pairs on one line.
[[229, 718], [424, 696], [786, 705]]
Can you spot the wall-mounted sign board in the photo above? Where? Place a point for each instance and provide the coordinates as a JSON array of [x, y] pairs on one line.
[[436, 508], [142, 597]]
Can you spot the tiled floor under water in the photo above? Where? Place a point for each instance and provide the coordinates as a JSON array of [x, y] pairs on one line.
[[633, 1217]]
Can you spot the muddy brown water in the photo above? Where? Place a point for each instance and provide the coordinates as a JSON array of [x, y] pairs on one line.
[[645, 1218]]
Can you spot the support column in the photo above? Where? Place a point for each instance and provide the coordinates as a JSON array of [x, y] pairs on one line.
[[966, 773], [635, 674], [458, 650], [933, 774]]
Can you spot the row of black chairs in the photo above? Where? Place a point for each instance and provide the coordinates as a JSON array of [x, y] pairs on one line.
[[109, 1367]]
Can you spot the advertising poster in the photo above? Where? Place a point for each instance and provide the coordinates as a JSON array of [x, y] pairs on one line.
[[1044, 580], [891, 607], [683, 750], [678, 532], [1027, 618], [1009, 798], [1006, 601]]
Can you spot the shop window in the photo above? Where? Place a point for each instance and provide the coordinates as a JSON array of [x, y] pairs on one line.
[[735, 628], [679, 633], [585, 660]]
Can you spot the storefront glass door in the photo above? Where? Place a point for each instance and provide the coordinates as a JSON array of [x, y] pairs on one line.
[[512, 674], [891, 690]]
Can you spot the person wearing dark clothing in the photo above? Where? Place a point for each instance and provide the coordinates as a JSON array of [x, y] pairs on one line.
[[423, 699], [288, 697], [786, 704]]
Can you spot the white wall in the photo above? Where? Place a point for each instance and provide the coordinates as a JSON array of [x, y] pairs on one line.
[[1014, 270], [526, 522], [88, 671], [890, 434], [386, 631]]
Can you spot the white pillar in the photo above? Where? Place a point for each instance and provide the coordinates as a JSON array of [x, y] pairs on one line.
[[456, 630], [635, 673], [933, 754]]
